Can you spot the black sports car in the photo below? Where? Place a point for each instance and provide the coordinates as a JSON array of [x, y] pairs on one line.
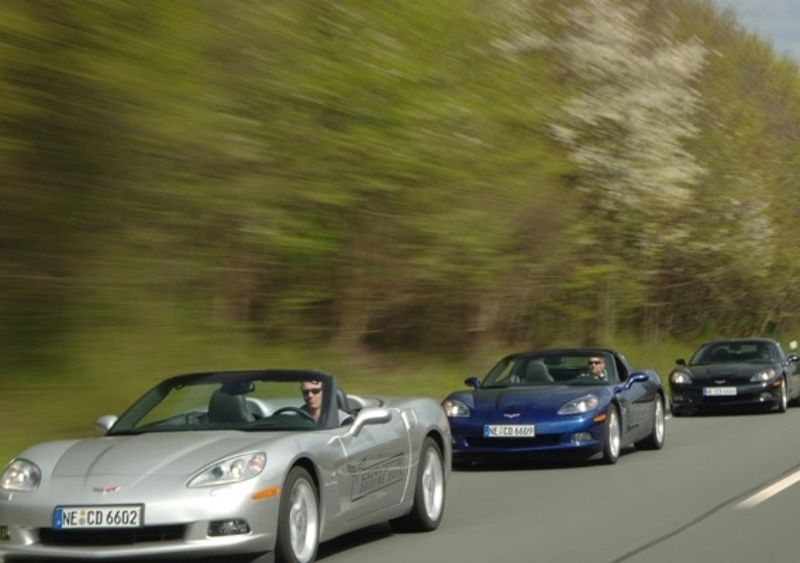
[[741, 372]]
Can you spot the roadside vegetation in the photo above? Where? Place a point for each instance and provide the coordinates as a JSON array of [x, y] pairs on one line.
[[392, 192]]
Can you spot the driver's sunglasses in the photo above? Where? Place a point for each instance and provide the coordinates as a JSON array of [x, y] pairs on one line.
[[316, 391], [592, 362]]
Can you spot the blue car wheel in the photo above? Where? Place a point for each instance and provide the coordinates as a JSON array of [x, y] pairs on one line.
[[613, 441]]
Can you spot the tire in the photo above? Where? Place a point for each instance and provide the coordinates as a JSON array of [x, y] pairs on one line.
[[613, 439], [655, 441], [429, 492], [783, 402], [298, 519]]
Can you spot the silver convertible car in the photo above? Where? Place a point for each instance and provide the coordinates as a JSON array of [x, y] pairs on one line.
[[262, 465]]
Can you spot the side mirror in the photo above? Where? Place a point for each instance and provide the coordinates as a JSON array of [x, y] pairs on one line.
[[369, 415], [636, 377], [680, 362], [105, 422], [473, 382], [792, 358]]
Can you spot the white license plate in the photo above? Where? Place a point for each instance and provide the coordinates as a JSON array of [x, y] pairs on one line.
[[72, 517], [719, 391], [509, 431]]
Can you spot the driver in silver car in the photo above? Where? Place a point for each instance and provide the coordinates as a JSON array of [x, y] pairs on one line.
[[312, 396]]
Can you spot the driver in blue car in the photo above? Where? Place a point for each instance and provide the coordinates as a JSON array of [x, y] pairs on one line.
[[596, 369]]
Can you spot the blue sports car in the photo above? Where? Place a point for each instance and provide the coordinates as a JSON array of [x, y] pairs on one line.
[[584, 402]]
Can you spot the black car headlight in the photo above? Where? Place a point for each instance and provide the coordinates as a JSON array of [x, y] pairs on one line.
[[763, 376], [679, 377]]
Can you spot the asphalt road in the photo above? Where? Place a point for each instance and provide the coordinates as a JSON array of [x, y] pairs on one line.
[[704, 497], [682, 503]]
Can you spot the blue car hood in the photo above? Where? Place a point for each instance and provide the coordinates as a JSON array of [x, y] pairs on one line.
[[531, 401]]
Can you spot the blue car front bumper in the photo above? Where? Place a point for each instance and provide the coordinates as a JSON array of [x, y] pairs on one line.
[[573, 435]]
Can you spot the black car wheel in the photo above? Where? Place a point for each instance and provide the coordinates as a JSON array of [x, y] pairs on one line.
[[613, 441], [655, 441], [783, 400]]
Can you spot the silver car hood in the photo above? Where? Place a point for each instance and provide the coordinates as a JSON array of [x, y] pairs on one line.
[[174, 453]]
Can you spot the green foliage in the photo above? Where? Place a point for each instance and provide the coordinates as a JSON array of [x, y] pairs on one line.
[[442, 176]]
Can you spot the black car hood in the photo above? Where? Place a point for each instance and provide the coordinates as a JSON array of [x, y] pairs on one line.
[[727, 373]]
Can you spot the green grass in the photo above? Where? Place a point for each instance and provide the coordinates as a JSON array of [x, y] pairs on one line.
[[106, 373]]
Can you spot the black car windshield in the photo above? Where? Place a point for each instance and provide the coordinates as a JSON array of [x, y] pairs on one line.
[[726, 352], [551, 368], [217, 403]]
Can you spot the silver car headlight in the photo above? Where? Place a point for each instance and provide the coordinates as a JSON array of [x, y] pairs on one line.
[[21, 476], [763, 375], [679, 377], [580, 405], [231, 470], [454, 408]]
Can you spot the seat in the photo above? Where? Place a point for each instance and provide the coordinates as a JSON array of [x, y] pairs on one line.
[[224, 407], [764, 353], [344, 407], [720, 355], [537, 372], [343, 402]]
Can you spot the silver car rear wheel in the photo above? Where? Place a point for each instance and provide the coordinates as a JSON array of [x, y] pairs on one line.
[[429, 492], [432, 484]]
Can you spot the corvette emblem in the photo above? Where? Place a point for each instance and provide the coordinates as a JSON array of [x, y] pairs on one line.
[[107, 490], [511, 414]]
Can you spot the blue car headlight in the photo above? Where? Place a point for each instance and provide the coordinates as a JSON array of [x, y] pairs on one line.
[[21, 476], [763, 375], [580, 405], [231, 470], [455, 408]]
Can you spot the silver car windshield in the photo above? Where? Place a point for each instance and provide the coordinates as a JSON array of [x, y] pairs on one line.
[[243, 405]]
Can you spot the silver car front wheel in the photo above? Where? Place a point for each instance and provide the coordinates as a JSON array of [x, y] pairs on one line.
[[298, 519]]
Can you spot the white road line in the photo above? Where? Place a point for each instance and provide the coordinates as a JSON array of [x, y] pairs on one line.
[[772, 490]]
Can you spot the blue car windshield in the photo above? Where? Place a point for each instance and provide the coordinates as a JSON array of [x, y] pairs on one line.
[[575, 368]]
